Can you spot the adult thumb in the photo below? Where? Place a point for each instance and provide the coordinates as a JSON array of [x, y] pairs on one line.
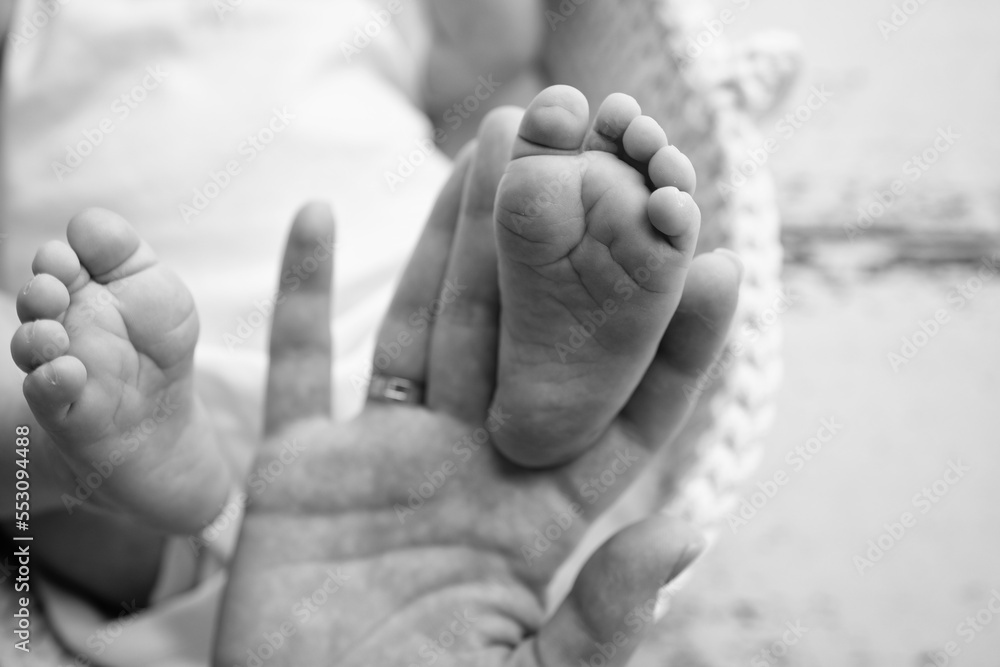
[[613, 604]]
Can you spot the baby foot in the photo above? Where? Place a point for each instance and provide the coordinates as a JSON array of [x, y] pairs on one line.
[[595, 230], [108, 343]]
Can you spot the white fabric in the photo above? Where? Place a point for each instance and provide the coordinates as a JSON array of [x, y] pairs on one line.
[[207, 80], [224, 79], [178, 627]]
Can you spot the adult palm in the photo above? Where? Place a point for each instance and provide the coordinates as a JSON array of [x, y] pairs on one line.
[[402, 537]]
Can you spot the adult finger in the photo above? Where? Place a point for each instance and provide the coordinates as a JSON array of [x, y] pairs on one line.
[[674, 380], [664, 399], [616, 599], [403, 341], [298, 381], [462, 372]]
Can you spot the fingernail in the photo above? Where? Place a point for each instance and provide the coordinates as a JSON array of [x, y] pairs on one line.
[[734, 258], [663, 597], [673, 582], [691, 552]]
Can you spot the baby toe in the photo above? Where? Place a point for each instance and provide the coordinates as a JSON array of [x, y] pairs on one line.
[[642, 138], [675, 215], [671, 168], [102, 240], [53, 386], [36, 343], [44, 297], [57, 259], [554, 123], [613, 117]]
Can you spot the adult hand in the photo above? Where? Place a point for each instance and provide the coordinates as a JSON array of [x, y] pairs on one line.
[[402, 537]]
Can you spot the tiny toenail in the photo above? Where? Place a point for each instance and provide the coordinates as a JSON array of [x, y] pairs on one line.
[[27, 287], [29, 332], [49, 374]]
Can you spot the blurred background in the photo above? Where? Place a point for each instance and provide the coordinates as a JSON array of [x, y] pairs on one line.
[[893, 338], [869, 535]]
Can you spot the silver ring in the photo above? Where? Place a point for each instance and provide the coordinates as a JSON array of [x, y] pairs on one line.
[[395, 390]]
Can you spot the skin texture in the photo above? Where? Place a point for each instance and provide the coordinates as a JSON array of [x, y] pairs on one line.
[[594, 242], [108, 344], [102, 574], [376, 537]]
